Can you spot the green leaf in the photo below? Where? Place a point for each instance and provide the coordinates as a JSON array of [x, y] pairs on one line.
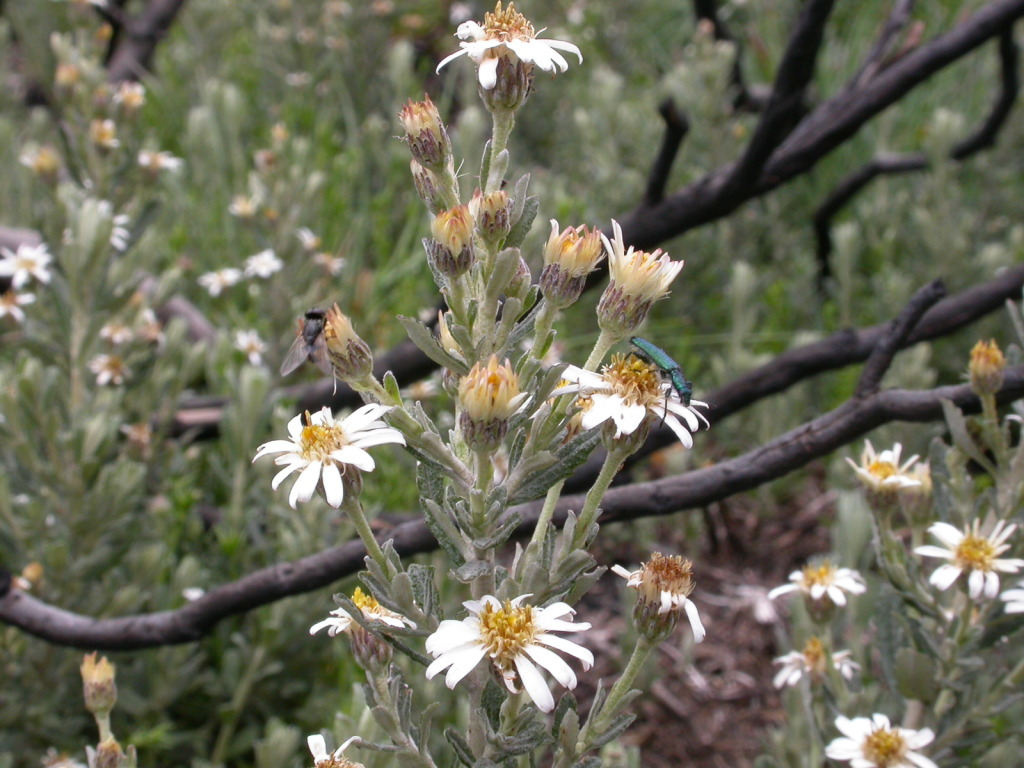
[[423, 338], [424, 589], [618, 726], [500, 535], [521, 228], [567, 458], [460, 746], [491, 699], [444, 530], [472, 570]]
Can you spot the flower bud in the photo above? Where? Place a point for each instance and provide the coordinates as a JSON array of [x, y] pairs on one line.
[[489, 396], [426, 134], [451, 251], [986, 368], [569, 257], [103, 133], [350, 356], [492, 213], [98, 685], [428, 187]]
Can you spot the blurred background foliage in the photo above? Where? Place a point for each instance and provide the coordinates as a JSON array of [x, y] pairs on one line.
[[291, 106]]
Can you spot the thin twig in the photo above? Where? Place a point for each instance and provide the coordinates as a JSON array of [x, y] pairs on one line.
[[786, 104], [781, 456], [133, 55], [676, 128], [897, 331], [745, 98], [875, 60]]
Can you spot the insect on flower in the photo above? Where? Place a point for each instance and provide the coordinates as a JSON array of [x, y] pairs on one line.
[[669, 368], [309, 344]]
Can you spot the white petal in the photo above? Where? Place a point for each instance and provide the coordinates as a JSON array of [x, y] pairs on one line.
[[487, 73], [562, 45], [275, 446], [305, 485], [569, 647], [535, 685], [463, 663], [694, 617], [929, 550], [450, 634], [554, 664], [280, 476], [357, 457], [681, 432], [920, 760], [947, 534], [334, 491], [317, 747], [628, 418], [944, 577]]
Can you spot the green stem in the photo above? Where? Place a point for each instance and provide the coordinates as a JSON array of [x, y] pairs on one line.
[[541, 528], [237, 706], [591, 505], [380, 685], [502, 122], [597, 725], [354, 509], [604, 342], [542, 326]]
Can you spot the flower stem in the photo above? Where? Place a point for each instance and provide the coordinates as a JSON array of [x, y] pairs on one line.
[[604, 342], [591, 505], [354, 509], [541, 528], [597, 725], [502, 122]]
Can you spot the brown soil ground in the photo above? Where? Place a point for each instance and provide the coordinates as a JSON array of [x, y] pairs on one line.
[[711, 705]]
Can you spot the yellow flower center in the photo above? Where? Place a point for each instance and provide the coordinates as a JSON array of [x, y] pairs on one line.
[[824, 574], [636, 380], [506, 631], [882, 470], [975, 553], [814, 653], [318, 440], [507, 24], [885, 747]]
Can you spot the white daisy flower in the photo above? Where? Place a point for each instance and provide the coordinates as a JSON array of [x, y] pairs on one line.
[[324, 759], [811, 661], [263, 264], [244, 207], [109, 369], [155, 162], [11, 303], [972, 552], [628, 391], [341, 621], [323, 449], [193, 593], [1014, 599], [507, 34], [116, 333], [823, 581], [517, 638], [215, 282], [130, 94], [874, 743], [26, 263], [250, 343], [310, 241], [882, 474], [332, 265], [665, 583]]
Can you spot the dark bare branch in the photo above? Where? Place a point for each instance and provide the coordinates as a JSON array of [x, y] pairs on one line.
[[895, 337], [883, 47], [786, 104], [828, 126], [139, 38], [783, 455], [746, 98], [676, 128], [888, 164]]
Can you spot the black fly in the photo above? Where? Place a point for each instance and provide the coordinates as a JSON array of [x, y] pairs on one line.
[[309, 344]]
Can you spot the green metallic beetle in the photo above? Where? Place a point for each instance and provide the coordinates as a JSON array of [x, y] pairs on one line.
[[669, 367]]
